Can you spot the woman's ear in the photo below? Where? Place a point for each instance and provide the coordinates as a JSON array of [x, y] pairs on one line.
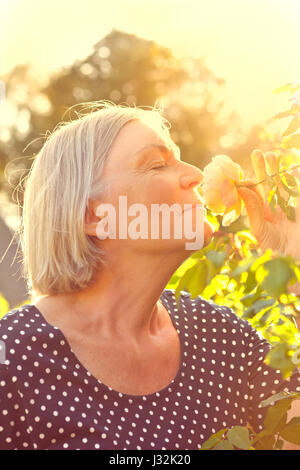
[[100, 220], [91, 219]]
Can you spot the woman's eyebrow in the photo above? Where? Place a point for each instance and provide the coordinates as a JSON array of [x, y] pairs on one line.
[[161, 147], [167, 151]]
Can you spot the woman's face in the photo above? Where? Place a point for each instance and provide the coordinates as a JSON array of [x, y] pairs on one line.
[[144, 166]]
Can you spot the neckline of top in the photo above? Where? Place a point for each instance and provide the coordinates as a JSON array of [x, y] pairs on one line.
[[105, 388]]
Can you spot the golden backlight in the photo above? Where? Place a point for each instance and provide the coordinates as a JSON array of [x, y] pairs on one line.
[[252, 44]]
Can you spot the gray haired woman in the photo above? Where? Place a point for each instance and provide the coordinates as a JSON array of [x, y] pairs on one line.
[[104, 357]]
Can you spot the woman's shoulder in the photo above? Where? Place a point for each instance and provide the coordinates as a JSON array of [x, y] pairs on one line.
[[209, 312], [198, 304], [23, 330], [21, 319]]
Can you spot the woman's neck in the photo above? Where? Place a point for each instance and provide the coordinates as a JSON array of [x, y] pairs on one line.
[[123, 301]]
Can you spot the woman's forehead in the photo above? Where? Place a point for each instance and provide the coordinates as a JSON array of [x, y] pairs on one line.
[[135, 137]]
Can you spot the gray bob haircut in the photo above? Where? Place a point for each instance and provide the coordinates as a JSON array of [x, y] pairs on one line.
[[58, 256]]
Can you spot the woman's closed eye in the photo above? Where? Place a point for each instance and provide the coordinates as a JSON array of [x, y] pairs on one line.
[[158, 167]]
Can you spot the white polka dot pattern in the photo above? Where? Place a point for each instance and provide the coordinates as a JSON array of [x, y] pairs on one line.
[[48, 400]]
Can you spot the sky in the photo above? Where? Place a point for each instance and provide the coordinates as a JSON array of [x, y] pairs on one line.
[[252, 44]]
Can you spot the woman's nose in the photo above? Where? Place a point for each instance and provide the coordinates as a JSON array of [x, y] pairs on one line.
[[192, 177]]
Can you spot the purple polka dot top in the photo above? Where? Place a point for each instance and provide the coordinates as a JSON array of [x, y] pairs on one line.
[[49, 401]]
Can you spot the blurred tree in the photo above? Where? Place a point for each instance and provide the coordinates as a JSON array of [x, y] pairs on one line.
[[122, 68], [12, 284]]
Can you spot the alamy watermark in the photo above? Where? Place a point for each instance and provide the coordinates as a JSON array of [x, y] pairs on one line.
[[188, 222], [2, 352]]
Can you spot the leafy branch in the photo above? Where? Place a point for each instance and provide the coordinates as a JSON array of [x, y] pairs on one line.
[[275, 429], [267, 179]]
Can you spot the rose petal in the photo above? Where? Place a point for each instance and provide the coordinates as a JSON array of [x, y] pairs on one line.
[[229, 218], [216, 208], [213, 201], [232, 213], [230, 169], [213, 176], [228, 193], [219, 191]]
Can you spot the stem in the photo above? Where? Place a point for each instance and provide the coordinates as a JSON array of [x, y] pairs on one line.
[[275, 174], [277, 439]]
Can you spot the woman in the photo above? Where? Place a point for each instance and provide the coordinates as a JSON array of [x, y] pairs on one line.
[[103, 358]]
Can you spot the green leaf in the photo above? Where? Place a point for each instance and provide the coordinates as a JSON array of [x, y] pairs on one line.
[[266, 443], [4, 306], [173, 281], [293, 127], [279, 445], [277, 358], [198, 284], [247, 236], [248, 299], [243, 266], [213, 221], [291, 141], [291, 432], [200, 253], [281, 202], [279, 396], [291, 213], [288, 181], [193, 280], [233, 263], [239, 437], [268, 255], [213, 439], [264, 318], [272, 200], [184, 282], [257, 306], [291, 180], [276, 414], [224, 445], [212, 270], [217, 258], [277, 278], [283, 88], [251, 282], [287, 113], [236, 226]]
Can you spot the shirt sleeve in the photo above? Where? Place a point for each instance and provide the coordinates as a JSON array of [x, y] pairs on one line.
[[263, 380], [13, 432]]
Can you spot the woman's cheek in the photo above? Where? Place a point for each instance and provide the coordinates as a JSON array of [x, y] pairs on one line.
[[159, 191], [164, 191]]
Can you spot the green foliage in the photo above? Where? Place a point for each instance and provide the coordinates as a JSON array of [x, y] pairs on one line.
[[230, 272], [275, 427], [237, 437], [291, 431], [4, 306], [279, 274], [291, 141]]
